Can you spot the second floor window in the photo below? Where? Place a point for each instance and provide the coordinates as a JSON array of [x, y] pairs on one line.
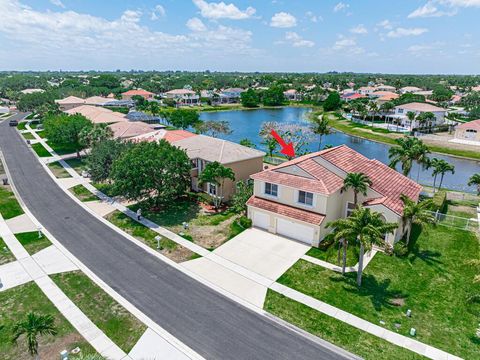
[[305, 198], [271, 189]]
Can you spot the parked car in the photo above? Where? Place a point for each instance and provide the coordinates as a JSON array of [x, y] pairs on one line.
[[13, 122]]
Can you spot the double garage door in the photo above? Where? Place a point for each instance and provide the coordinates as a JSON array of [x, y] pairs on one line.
[[287, 228]]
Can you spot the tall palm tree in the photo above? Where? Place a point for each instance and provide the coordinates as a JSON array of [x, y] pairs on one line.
[[32, 327], [342, 243], [442, 167], [216, 174], [320, 127], [358, 182], [411, 116], [475, 180], [373, 108], [367, 227], [402, 154], [415, 213], [420, 153], [434, 164]]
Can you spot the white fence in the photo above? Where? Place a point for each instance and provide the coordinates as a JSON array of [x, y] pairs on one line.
[[457, 222]]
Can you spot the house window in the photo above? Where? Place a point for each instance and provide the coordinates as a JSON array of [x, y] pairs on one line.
[[350, 208], [212, 189], [194, 163], [305, 198], [271, 189]]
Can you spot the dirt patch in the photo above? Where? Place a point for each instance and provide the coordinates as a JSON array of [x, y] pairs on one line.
[[179, 254], [397, 302], [52, 350], [211, 236]]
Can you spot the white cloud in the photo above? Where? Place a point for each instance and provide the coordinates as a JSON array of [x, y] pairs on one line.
[[386, 24], [158, 12], [195, 24], [312, 17], [58, 3], [359, 29], [344, 42], [402, 32], [283, 20], [461, 3], [297, 41], [340, 7], [223, 11], [131, 16], [430, 10]]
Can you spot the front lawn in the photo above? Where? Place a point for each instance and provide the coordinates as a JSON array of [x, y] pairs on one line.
[[329, 253], [113, 319], [28, 136], [15, 304], [6, 255], [58, 170], [433, 280], [22, 125], [9, 206], [169, 248], [207, 230], [40, 150], [62, 149], [32, 243], [77, 164], [335, 331], [82, 193]]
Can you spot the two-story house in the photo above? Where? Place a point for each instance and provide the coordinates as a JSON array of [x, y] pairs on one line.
[[183, 97], [401, 111], [231, 95], [298, 198]]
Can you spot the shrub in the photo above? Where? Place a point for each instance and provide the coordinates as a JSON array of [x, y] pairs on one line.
[[440, 201], [245, 222], [400, 249]]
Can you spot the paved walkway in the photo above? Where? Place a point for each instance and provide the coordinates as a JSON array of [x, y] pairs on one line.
[[244, 277], [366, 260]]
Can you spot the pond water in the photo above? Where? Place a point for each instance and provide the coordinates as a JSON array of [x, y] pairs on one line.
[[246, 124]]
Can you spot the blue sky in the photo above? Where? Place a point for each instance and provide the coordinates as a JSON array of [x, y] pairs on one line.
[[407, 36]]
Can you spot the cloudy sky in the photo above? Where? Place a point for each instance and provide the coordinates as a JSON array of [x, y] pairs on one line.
[[407, 36]]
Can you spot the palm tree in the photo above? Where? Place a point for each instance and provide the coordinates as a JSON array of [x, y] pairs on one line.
[[420, 153], [33, 326], [320, 127], [442, 167], [358, 182], [367, 227], [342, 243], [434, 164], [402, 154], [475, 180], [415, 213], [216, 174], [373, 108], [411, 116]]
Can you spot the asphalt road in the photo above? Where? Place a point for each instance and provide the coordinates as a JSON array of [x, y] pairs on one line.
[[209, 323]]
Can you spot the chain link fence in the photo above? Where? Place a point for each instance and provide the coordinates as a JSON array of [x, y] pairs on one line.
[[456, 222]]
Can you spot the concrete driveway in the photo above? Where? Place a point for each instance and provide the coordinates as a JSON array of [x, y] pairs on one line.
[[260, 259]]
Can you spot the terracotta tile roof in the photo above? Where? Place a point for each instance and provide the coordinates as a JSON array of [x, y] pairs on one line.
[[415, 106], [97, 115], [475, 125], [285, 210], [139, 92], [70, 100], [125, 130], [181, 92], [169, 135]]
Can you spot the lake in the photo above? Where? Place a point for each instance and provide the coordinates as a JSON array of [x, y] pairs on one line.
[[247, 123]]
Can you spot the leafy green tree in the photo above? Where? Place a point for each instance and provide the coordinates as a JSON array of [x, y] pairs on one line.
[[213, 128], [475, 180], [373, 109], [90, 136], [271, 144], [358, 182], [441, 93], [441, 167], [102, 156], [415, 213], [249, 98], [105, 81], [32, 327], [184, 118], [35, 101], [411, 116], [156, 173], [367, 227], [244, 190], [273, 96], [332, 102], [407, 151], [247, 142], [426, 118], [320, 127], [216, 174], [66, 129]]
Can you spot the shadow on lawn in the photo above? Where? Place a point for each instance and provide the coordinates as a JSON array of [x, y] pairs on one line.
[[427, 256], [378, 292]]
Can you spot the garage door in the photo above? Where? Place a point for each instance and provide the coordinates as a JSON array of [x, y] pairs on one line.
[[295, 231], [261, 220]]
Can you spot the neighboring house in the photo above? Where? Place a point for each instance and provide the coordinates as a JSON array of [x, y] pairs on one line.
[[469, 131], [97, 101], [382, 87], [293, 95], [455, 99], [366, 90], [476, 88], [127, 130], [350, 97], [183, 96], [426, 93], [141, 116], [201, 150], [401, 111], [298, 198], [381, 97], [409, 89], [32, 91], [69, 102], [139, 92], [231, 95], [97, 115]]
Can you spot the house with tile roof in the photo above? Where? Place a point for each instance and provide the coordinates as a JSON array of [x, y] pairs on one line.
[[98, 115], [202, 149], [69, 102], [400, 114], [138, 92], [183, 97], [298, 198], [468, 133]]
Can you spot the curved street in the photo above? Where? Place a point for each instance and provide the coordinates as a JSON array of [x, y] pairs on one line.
[[209, 323]]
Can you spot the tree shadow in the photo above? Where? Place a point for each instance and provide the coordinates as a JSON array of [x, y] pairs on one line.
[[415, 253], [378, 292]]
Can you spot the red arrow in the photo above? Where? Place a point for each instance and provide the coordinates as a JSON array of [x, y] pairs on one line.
[[287, 149]]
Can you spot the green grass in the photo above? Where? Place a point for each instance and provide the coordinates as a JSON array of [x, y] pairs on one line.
[[22, 125], [28, 136], [115, 321], [32, 243], [335, 331], [433, 280], [9, 206], [139, 231], [77, 164], [15, 303], [330, 254], [40, 150], [34, 124], [82, 193], [62, 149], [105, 188], [6, 255], [58, 170]]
